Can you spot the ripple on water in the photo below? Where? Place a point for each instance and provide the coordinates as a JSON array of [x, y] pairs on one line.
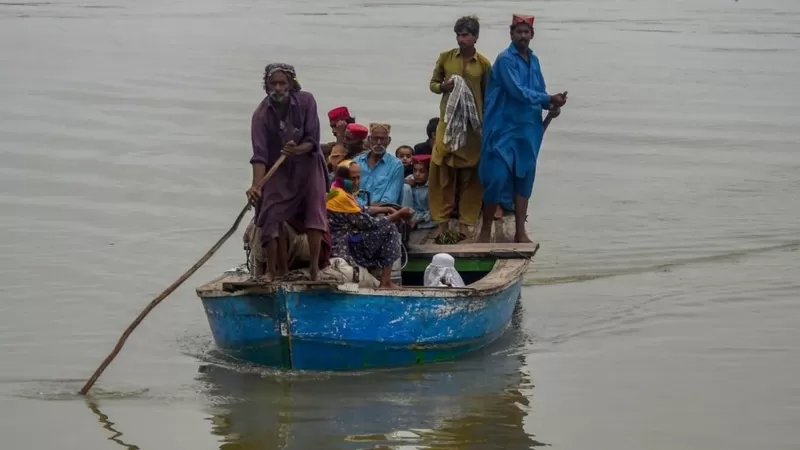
[[68, 389]]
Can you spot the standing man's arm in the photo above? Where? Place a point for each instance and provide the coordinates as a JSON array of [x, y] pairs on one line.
[[511, 83], [258, 135], [438, 84], [341, 129]]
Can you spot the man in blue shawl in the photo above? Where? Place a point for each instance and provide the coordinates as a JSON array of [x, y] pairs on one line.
[[513, 128]]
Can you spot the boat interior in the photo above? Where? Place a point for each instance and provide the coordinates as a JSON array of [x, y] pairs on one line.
[[473, 261], [481, 265]]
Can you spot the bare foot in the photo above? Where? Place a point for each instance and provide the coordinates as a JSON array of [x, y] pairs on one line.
[[389, 285], [466, 230], [498, 213], [314, 274], [265, 278], [522, 238], [486, 234]]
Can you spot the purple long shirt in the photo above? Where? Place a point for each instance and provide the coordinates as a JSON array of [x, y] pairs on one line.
[[297, 190]]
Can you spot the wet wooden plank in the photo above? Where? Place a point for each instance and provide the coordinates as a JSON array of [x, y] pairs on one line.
[[502, 231], [418, 237], [470, 250]]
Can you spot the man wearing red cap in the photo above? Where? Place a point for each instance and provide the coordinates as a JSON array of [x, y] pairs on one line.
[[352, 146], [354, 138], [513, 128], [338, 118]]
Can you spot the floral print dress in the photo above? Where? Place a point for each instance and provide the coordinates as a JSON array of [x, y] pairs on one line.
[[370, 242]]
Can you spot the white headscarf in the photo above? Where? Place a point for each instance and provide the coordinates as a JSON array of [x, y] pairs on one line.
[[441, 272]]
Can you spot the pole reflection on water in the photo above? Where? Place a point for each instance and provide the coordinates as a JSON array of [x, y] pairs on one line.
[[109, 425], [461, 404]]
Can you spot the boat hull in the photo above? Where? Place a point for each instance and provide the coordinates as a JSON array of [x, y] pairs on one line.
[[328, 330]]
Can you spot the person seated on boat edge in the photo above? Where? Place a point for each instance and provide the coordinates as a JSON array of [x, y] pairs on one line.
[[415, 194], [339, 118], [381, 172], [379, 210], [406, 155], [441, 272], [459, 77], [357, 236], [426, 147], [286, 123], [292, 242], [386, 204], [513, 128]]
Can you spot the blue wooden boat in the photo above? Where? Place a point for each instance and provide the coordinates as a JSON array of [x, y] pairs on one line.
[[322, 326]]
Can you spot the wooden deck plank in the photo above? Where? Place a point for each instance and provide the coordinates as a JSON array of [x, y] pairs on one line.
[[502, 232], [502, 246]]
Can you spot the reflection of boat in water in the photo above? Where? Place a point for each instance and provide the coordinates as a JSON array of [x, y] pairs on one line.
[[472, 403], [329, 326]]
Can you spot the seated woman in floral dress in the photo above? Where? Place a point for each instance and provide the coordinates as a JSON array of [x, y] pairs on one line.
[[358, 237]]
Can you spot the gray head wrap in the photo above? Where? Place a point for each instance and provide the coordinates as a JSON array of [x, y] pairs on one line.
[[285, 68]]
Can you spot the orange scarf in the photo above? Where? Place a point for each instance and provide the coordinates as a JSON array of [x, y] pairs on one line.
[[340, 201]]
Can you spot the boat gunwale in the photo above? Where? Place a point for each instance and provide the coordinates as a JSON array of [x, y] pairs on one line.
[[504, 273]]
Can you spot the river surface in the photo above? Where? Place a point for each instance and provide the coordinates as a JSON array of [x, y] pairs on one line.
[[663, 310]]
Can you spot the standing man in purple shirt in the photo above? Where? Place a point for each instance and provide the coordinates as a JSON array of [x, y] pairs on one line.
[[286, 122]]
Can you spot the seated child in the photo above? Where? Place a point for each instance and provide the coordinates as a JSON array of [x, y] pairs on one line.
[[415, 194], [405, 154]]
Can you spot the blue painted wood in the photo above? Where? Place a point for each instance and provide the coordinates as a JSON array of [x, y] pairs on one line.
[[325, 330], [248, 327]]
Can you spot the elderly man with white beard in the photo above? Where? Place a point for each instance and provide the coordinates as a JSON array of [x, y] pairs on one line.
[[381, 172]]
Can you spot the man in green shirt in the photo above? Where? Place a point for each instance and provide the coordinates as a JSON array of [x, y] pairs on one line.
[[457, 169]]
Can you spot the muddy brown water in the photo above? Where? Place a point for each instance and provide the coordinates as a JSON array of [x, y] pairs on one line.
[[662, 311]]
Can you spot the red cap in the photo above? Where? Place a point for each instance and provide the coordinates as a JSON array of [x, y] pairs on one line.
[[357, 131], [338, 113], [520, 18], [424, 159]]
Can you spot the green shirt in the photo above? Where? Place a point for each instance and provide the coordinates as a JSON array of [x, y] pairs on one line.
[[475, 73]]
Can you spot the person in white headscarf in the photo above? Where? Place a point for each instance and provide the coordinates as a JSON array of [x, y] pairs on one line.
[[441, 272]]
